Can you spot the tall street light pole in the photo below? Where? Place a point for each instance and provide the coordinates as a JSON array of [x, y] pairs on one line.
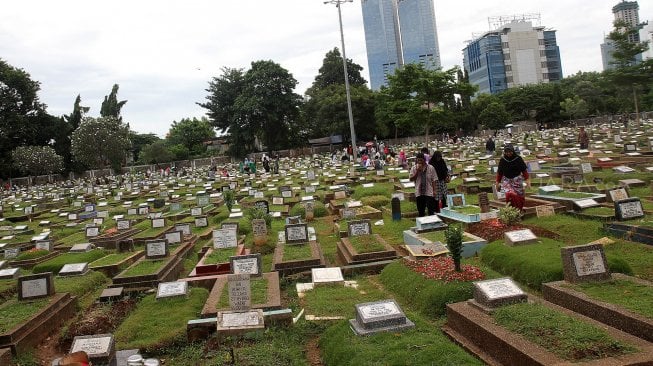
[[354, 147]]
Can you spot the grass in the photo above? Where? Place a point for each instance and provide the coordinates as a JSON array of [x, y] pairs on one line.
[[563, 335], [219, 256], [599, 211], [32, 254], [113, 258], [144, 267], [14, 312], [366, 244], [54, 265], [296, 252], [258, 288], [572, 195], [631, 295], [340, 300], [573, 231], [87, 287], [393, 231], [467, 210], [436, 236], [155, 325]]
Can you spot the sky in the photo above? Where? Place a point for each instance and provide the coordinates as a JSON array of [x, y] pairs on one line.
[[164, 53]]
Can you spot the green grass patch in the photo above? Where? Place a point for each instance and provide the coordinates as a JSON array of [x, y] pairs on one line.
[[296, 252], [376, 201], [631, 295], [54, 265], [393, 231], [639, 256], [573, 231], [219, 256], [14, 312], [599, 211], [258, 288], [32, 254], [379, 189], [439, 236], [154, 325], [537, 263], [76, 238], [572, 195], [340, 300], [318, 211], [151, 232], [144, 267], [467, 210], [563, 335], [366, 244], [80, 285], [111, 259]]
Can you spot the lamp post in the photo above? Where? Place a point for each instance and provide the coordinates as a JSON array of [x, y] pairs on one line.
[[344, 65]]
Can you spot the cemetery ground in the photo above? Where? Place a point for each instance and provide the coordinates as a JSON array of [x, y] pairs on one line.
[[165, 265]]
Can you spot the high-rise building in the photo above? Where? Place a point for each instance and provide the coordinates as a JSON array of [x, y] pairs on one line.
[[399, 32], [628, 12], [514, 53]]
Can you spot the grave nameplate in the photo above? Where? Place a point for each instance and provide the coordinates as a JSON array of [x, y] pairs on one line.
[[296, 233], [426, 223], [327, 276], [175, 206], [259, 227], [44, 245], [172, 289], [201, 221], [73, 269], [618, 194], [11, 253], [456, 200], [519, 237], [586, 203], [196, 211], [230, 225], [143, 210], [252, 319], [203, 201], [498, 292], [35, 286], [123, 224], [277, 200], [549, 189], [240, 293], [359, 227], [184, 228], [99, 348], [92, 231], [348, 213], [83, 247], [286, 194], [379, 316], [630, 208], [158, 223], [174, 237], [72, 216], [584, 263], [544, 210], [586, 168], [155, 249], [340, 195], [225, 238], [250, 263], [132, 211], [9, 273]]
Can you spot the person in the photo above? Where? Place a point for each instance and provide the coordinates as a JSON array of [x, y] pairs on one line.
[[425, 151], [426, 186], [442, 172], [583, 138], [402, 161], [266, 164], [511, 174], [490, 146]]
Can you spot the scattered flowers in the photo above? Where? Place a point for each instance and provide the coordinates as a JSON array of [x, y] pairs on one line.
[[442, 268]]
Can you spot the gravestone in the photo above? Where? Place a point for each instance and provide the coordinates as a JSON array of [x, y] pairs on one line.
[[498, 292], [396, 209], [175, 206], [259, 231], [544, 210], [584, 263], [239, 321], [11, 253], [172, 289], [9, 273], [35, 286], [230, 225], [455, 200], [379, 316], [203, 201], [81, 248], [158, 223], [174, 237], [586, 168], [156, 249], [100, 348], [73, 269], [519, 237], [327, 276], [296, 233], [617, 194], [184, 228], [262, 205], [201, 221], [339, 195], [348, 213], [586, 203], [359, 227], [309, 209], [277, 200], [224, 238], [196, 211], [629, 208], [428, 223], [246, 264], [549, 189], [483, 202], [158, 203], [44, 245], [240, 293]]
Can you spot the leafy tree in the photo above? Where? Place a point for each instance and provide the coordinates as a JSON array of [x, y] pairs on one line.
[[111, 106], [331, 72], [37, 160], [575, 107], [140, 140], [191, 133], [156, 152], [494, 116], [100, 142], [180, 152], [73, 120]]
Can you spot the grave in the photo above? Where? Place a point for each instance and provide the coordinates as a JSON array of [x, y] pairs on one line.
[[584, 263], [100, 348], [327, 276], [246, 264], [171, 289], [379, 316], [362, 246], [629, 208], [490, 294], [74, 269], [240, 293], [519, 237], [272, 297], [156, 249]]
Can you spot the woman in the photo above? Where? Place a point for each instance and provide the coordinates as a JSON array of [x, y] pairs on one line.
[[402, 161], [443, 178], [511, 176]]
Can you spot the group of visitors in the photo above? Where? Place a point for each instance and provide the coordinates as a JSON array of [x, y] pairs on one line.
[[431, 175]]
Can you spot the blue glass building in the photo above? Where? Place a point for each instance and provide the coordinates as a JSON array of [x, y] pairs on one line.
[[398, 32]]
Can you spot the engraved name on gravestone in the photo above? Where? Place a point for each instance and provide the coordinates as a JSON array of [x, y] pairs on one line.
[[172, 289], [379, 316], [73, 269], [224, 238], [201, 221], [329, 275], [44, 245], [498, 292], [250, 263], [584, 263], [203, 200], [544, 210], [240, 293], [339, 194], [348, 213], [173, 237], [184, 228], [296, 233], [156, 249], [630, 208], [359, 227], [175, 206], [100, 348], [196, 211], [35, 286], [259, 227], [277, 200], [11, 253], [519, 237], [242, 319]]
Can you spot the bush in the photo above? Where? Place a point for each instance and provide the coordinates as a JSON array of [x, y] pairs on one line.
[[319, 210], [376, 201], [509, 215], [260, 214]]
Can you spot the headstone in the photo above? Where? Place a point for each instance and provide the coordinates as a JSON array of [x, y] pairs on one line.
[[156, 249], [426, 223], [175, 206], [519, 237], [158, 203], [173, 237], [618, 194], [92, 231], [230, 225], [225, 238], [339, 195], [584, 263], [158, 223], [262, 205], [379, 316], [327, 276], [359, 227], [498, 292], [277, 200], [184, 228], [35, 286], [100, 348], [586, 168], [240, 320], [9, 273], [544, 210], [399, 195], [201, 221], [250, 264], [240, 293], [497, 193], [203, 201], [73, 269], [196, 211], [483, 202], [348, 213], [396, 209], [172, 289], [296, 233], [44, 245], [81, 248], [629, 208], [309, 209], [549, 189], [586, 203], [11, 253], [455, 200]]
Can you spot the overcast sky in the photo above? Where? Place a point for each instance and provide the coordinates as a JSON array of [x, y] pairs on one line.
[[163, 53]]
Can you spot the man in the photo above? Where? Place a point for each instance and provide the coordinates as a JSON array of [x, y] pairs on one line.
[[583, 138], [490, 146], [426, 185]]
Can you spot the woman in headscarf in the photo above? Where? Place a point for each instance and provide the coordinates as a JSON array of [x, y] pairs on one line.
[[511, 175], [443, 178]]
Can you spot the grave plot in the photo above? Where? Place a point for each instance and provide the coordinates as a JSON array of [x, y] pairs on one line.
[[422, 242], [361, 246], [406, 187], [41, 252], [224, 244], [160, 264], [151, 229], [458, 210], [590, 289], [38, 309], [571, 200], [264, 294], [297, 250], [80, 253], [114, 263], [534, 207]]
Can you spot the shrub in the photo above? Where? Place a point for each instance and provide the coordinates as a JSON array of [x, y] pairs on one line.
[[509, 215], [229, 198], [454, 236], [260, 214], [319, 210]]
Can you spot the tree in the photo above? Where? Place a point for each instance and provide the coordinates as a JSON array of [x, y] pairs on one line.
[[574, 107], [37, 160], [331, 72], [156, 152], [111, 106], [73, 121], [140, 140], [494, 116], [100, 142], [191, 133]]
